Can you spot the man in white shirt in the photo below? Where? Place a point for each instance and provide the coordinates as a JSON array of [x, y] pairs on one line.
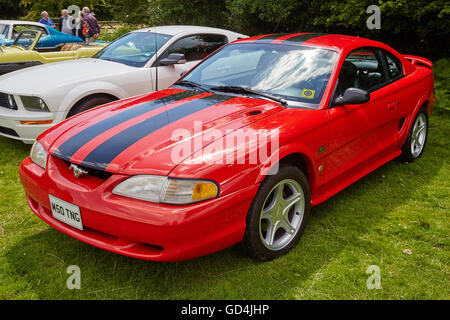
[[65, 23]]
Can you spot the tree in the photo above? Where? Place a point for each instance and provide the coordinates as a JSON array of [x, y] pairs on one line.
[[10, 9], [194, 12], [413, 26], [54, 7], [136, 11]]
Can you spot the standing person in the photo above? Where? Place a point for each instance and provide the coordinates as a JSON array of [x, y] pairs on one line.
[[47, 20], [65, 23], [92, 27], [79, 26]]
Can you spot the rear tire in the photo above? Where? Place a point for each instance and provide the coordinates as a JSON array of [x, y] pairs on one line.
[[417, 138], [89, 103], [278, 214]]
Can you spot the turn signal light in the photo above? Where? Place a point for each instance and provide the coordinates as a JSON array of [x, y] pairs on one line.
[[28, 123]]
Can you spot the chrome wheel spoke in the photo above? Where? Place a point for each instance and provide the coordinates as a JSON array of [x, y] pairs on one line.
[[418, 144], [279, 193], [271, 231], [286, 225], [288, 203], [420, 129], [268, 214]]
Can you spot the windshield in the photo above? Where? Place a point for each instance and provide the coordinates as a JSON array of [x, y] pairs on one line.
[[133, 49], [4, 30], [25, 39], [295, 73]]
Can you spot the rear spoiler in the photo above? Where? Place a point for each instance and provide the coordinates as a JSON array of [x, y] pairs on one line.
[[419, 61]]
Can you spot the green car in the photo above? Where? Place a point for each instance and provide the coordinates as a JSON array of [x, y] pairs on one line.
[[23, 52]]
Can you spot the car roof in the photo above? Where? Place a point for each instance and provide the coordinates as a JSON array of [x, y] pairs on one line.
[[334, 41], [179, 29], [31, 23]]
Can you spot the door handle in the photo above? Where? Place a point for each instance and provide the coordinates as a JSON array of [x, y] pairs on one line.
[[392, 105]]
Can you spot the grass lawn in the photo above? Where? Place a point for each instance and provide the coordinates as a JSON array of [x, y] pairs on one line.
[[397, 207]]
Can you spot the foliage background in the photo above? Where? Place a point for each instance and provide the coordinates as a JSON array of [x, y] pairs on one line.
[[411, 26]]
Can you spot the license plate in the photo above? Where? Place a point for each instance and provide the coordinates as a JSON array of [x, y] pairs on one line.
[[66, 212]]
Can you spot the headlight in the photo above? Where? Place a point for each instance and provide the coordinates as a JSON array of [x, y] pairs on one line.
[[160, 189], [38, 154], [12, 102], [34, 104], [8, 101]]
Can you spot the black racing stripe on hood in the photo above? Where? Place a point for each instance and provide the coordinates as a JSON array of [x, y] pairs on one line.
[[101, 157], [73, 144]]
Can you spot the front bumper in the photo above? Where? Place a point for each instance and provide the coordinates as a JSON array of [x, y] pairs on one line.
[[132, 227], [11, 127]]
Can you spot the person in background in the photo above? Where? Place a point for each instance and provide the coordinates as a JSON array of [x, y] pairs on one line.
[[47, 20], [79, 26], [92, 27], [65, 23]]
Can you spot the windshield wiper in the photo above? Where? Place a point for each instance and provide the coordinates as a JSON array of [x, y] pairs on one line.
[[192, 85], [237, 89], [108, 59]]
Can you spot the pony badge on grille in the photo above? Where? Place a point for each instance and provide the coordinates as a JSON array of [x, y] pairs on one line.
[[77, 171]]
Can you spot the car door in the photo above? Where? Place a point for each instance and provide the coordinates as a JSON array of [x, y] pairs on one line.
[[195, 48], [360, 133], [406, 95]]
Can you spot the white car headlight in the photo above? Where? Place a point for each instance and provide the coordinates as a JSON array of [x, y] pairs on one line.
[[38, 154], [34, 104], [159, 189]]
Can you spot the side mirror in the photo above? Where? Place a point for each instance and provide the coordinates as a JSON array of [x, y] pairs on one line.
[[173, 58], [352, 96]]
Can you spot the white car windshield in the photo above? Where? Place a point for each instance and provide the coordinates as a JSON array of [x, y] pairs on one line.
[[133, 49], [298, 74]]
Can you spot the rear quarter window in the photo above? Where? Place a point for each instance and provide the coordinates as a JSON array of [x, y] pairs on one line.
[[394, 65]]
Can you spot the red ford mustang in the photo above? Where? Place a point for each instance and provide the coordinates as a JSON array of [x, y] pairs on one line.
[[236, 151]]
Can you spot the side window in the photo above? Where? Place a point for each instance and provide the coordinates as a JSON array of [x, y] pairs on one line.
[[362, 69], [198, 47], [22, 27], [4, 31], [394, 65], [43, 30]]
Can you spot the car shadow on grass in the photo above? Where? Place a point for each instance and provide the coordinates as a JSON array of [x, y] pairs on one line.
[[340, 223]]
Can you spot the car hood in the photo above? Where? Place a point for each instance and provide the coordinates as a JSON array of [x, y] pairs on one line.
[[148, 134], [30, 81]]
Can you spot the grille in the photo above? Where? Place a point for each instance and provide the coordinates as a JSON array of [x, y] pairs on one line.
[[93, 172], [5, 103], [8, 131]]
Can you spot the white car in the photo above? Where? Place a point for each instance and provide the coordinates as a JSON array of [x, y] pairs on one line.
[[34, 99]]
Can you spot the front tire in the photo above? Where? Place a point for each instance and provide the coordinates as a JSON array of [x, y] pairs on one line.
[[417, 138], [278, 214], [89, 103]]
